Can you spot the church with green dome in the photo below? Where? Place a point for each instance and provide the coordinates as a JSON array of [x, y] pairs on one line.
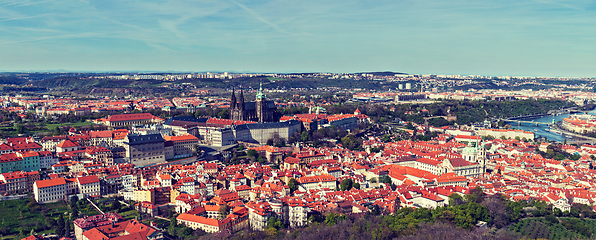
[[475, 153]]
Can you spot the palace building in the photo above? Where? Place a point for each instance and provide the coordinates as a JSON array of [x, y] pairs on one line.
[[260, 110], [121, 120]]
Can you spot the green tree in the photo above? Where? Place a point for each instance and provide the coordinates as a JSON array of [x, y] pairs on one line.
[[57, 131], [333, 218], [173, 222], [75, 212], [67, 229], [346, 184], [116, 205], [271, 232], [551, 219], [272, 222], [224, 210], [223, 114], [251, 153], [375, 150], [455, 199], [20, 129], [478, 194], [385, 179], [293, 185], [356, 185], [304, 136], [73, 201], [32, 205], [350, 142], [60, 229]]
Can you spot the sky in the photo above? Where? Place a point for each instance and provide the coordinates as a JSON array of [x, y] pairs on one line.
[[468, 37]]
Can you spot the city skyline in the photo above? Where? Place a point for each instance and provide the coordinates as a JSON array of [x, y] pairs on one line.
[[534, 38]]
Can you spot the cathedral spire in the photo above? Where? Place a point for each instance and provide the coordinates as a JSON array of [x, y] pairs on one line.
[[233, 100], [241, 101], [260, 94]]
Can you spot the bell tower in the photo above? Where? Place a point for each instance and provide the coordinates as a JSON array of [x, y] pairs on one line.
[[261, 104]]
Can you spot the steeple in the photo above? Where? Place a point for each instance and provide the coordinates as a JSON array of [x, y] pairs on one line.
[[241, 101], [260, 94], [233, 100]]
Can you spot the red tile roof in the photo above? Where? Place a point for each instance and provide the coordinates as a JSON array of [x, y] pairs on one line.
[[67, 143], [50, 182], [199, 219], [132, 117], [100, 134], [183, 138], [320, 178], [88, 179]]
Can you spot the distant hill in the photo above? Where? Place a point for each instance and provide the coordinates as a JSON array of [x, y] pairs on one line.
[[482, 85], [12, 80], [246, 82], [76, 82], [386, 73]]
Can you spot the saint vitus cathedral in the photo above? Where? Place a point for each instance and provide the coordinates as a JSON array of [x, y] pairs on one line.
[[260, 110]]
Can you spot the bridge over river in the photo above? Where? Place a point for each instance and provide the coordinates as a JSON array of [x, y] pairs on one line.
[[519, 122]]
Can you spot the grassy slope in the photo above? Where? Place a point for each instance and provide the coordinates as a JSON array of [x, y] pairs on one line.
[[15, 215]]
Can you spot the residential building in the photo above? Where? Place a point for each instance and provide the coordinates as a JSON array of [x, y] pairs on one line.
[[184, 145], [16, 182], [10, 162], [318, 182], [100, 155], [47, 159], [208, 225], [49, 190], [89, 186], [82, 225], [67, 146], [30, 161]]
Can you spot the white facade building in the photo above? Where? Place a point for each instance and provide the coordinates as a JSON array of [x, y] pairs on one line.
[[50, 190]]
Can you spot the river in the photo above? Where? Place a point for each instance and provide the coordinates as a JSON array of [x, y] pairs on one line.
[[540, 130]]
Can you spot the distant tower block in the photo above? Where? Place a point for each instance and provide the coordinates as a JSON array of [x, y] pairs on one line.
[[408, 86]]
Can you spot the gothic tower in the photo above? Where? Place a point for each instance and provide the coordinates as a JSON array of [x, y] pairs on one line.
[[242, 113], [233, 105], [232, 102]]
